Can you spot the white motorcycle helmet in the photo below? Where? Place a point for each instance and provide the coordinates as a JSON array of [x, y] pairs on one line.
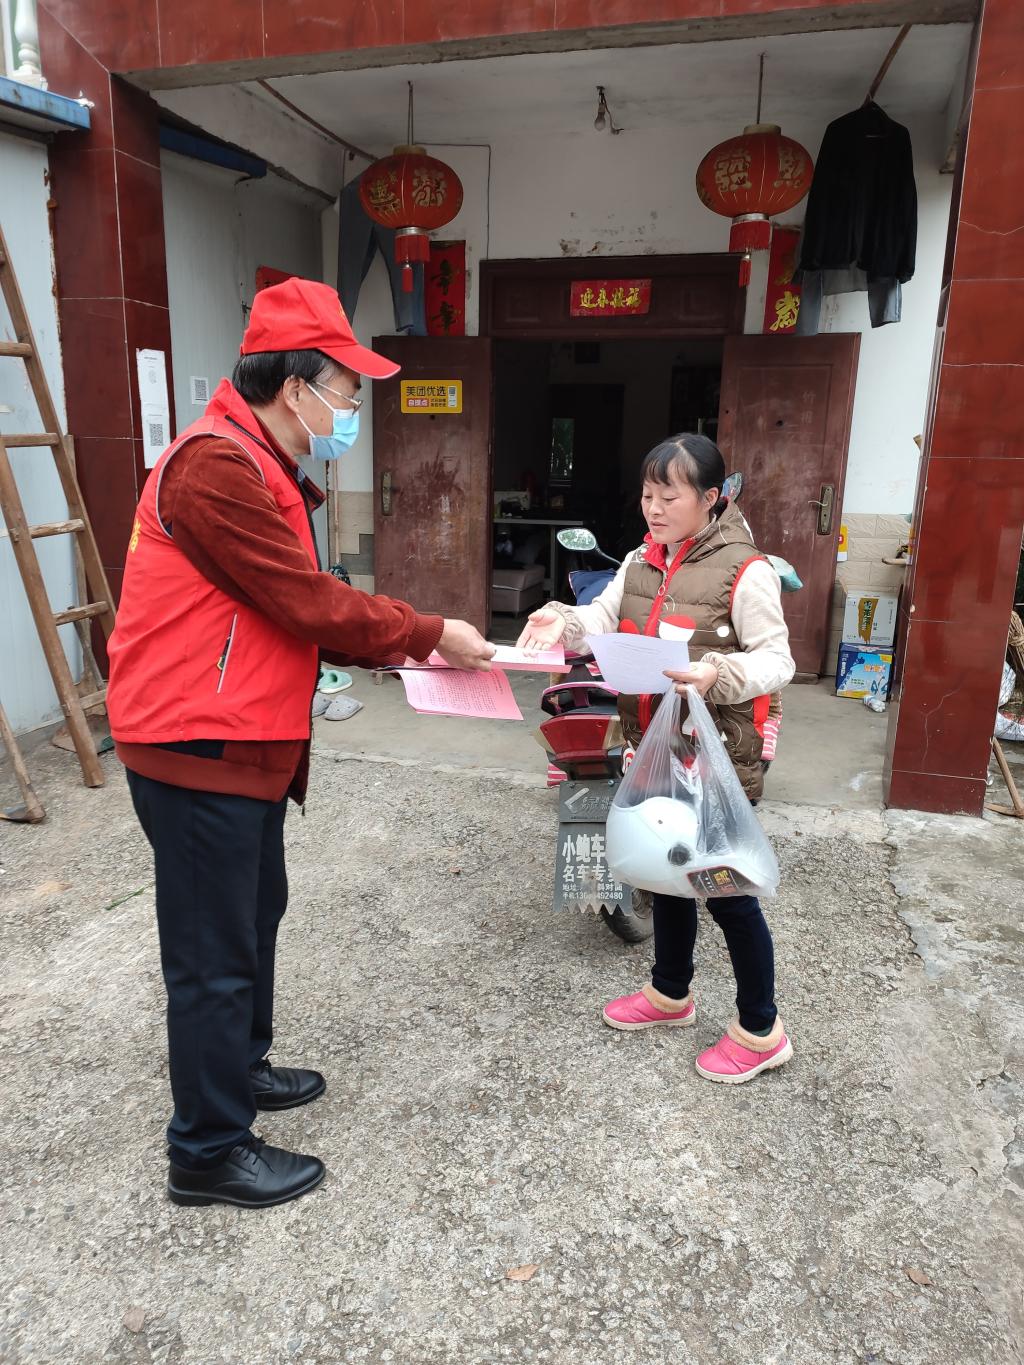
[[650, 844]]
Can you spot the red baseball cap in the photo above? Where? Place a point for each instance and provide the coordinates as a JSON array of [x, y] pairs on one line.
[[304, 315]]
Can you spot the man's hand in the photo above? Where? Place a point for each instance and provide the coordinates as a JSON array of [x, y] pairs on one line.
[[702, 676], [544, 630], [462, 646]]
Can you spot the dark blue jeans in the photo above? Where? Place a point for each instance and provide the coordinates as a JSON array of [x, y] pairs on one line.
[[221, 890], [359, 241], [747, 937]]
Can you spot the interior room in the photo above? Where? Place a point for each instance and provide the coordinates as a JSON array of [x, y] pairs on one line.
[[573, 421]]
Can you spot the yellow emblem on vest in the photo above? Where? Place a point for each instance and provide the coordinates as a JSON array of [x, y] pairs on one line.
[[136, 532]]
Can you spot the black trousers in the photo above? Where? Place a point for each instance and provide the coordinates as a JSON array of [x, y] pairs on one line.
[[221, 890], [747, 937]]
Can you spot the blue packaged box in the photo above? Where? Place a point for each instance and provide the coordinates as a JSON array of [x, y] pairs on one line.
[[863, 672]]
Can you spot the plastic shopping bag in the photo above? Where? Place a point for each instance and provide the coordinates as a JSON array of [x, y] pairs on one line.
[[1008, 727], [681, 823]]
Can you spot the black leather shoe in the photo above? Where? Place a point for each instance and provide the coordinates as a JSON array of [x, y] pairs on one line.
[[252, 1175], [284, 1087]]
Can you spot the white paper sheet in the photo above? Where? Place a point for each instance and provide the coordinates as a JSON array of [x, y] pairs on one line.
[[541, 661], [636, 663], [156, 410], [507, 656]]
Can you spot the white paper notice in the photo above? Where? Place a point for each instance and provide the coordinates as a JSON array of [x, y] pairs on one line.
[[540, 661], [156, 410], [635, 664], [507, 656]]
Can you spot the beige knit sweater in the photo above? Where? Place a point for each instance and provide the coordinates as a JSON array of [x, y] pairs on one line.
[[764, 664]]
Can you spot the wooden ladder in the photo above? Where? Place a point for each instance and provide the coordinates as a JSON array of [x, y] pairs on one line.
[[90, 571]]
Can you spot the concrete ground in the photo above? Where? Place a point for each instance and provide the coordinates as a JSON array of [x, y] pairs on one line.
[[863, 1204], [847, 740]]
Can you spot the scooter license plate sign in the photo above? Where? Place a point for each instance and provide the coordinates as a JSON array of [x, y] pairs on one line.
[[582, 878]]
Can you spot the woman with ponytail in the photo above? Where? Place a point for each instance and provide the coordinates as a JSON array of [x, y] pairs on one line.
[[698, 562]]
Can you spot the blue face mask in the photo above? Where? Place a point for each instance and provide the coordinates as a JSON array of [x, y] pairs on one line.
[[344, 431]]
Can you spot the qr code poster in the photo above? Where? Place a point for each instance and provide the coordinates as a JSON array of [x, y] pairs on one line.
[[432, 397], [151, 370]]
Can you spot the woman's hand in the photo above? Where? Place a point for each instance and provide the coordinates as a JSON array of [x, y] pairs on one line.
[[702, 676], [543, 631]]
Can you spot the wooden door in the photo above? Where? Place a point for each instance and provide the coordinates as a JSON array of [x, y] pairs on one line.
[[432, 478], [784, 420]]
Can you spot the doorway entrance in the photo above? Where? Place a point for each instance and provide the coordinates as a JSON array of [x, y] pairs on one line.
[[572, 423], [557, 411]]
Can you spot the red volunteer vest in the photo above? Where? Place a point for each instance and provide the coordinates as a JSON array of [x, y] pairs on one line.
[[187, 661]]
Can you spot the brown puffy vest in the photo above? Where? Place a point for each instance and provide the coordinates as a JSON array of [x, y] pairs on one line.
[[700, 588]]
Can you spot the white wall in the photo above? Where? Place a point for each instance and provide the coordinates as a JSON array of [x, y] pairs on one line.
[[26, 689], [895, 361], [219, 228], [248, 117], [593, 195], [374, 317], [374, 314]]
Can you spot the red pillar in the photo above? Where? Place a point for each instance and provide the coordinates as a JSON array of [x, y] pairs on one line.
[[969, 515], [111, 278]]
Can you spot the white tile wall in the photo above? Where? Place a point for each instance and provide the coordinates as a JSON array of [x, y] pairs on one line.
[[871, 540], [871, 549], [356, 519], [860, 525], [893, 526]]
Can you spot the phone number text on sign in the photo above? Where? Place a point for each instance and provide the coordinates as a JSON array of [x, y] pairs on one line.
[[433, 397]]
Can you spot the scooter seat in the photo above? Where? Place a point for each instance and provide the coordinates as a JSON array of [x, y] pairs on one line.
[[567, 697]]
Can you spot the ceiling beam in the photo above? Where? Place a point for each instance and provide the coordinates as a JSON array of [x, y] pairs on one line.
[[869, 14]]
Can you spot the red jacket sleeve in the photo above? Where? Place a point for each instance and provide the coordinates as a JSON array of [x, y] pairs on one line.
[[225, 521]]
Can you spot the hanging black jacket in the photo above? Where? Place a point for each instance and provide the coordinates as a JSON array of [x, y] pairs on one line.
[[862, 208]]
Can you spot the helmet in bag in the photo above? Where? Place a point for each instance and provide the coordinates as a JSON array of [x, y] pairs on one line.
[[649, 844]]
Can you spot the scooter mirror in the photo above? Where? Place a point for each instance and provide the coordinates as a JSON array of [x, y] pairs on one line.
[[577, 538], [733, 486]]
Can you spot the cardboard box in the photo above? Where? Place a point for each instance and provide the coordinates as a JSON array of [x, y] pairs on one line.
[[869, 618], [863, 672]]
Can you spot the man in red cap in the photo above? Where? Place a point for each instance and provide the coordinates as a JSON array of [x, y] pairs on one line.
[[223, 618]]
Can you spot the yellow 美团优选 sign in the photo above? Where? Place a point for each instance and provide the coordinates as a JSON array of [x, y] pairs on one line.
[[432, 397]]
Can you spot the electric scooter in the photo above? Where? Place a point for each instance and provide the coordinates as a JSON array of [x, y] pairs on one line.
[[585, 748], [584, 743]]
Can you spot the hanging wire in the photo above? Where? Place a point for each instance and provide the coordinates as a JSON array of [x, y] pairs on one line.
[[411, 128], [890, 56], [301, 113], [760, 88]]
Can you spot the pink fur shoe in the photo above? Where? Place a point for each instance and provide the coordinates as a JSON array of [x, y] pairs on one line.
[[648, 1009], [739, 1056]]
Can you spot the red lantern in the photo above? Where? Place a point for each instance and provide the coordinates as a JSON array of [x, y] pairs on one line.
[[414, 194], [750, 177]]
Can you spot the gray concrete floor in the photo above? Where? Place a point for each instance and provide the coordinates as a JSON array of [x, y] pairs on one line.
[[847, 740], [863, 1204]]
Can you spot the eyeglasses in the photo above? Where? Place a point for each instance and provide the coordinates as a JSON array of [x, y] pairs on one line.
[[350, 398]]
